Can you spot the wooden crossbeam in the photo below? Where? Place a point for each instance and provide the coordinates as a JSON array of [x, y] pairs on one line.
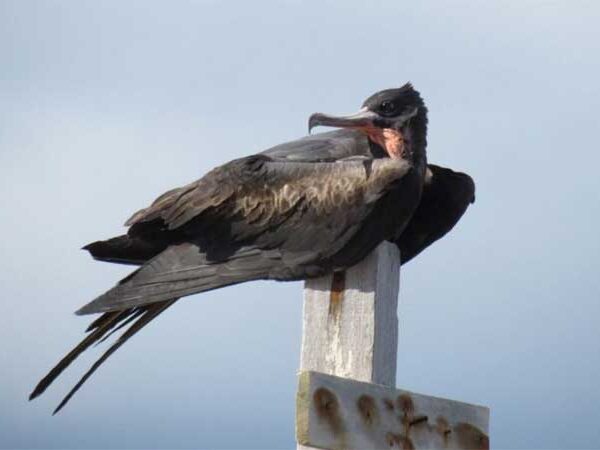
[[339, 413]]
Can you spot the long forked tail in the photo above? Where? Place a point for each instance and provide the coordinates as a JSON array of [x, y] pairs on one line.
[[145, 293], [100, 330]]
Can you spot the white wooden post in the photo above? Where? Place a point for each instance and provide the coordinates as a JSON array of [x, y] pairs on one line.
[[350, 320], [346, 395]]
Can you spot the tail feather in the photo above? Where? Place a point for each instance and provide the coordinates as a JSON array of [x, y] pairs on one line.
[[150, 312], [122, 249], [100, 330], [101, 321], [138, 312], [141, 296], [100, 326]]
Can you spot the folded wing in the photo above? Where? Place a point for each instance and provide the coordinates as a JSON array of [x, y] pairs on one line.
[[254, 218], [446, 196]]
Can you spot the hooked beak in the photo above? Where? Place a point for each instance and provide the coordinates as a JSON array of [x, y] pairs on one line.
[[362, 119]]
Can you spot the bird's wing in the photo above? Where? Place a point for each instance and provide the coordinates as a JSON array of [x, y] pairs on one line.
[[330, 146], [267, 218], [334, 146], [446, 196], [148, 237]]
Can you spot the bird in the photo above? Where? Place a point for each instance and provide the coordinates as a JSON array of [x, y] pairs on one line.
[[299, 210]]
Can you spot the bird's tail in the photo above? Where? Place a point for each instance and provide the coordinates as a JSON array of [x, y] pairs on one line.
[[141, 296], [99, 330]]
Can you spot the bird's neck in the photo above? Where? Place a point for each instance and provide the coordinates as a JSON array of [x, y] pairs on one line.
[[408, 142]]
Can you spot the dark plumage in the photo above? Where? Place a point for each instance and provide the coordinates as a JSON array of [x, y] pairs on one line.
[[446, 196], [298, 210]]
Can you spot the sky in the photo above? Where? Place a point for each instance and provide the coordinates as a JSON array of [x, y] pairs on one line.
[[105, 105]]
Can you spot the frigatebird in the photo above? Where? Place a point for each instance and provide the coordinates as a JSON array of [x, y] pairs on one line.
[[301, 209]]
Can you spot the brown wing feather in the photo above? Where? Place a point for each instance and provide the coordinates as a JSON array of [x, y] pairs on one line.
[[284, 221], [256, 186], [174, 206]]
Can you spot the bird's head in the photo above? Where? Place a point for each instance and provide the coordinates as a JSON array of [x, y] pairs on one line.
[[393, 119]]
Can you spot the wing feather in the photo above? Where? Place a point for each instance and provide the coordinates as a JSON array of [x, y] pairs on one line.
[[446, 196], [257, 187], [284, 221]]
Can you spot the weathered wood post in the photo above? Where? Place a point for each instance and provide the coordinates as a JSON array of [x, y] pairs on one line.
[[346, 394]]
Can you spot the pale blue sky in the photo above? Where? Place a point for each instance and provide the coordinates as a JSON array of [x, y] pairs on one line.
[[104, 105]]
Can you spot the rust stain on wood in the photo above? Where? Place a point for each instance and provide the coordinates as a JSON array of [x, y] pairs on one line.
[[389, 405], [471, 437], [328, 409], [405, 404], [338, 284], [368, 409], [443, 429], [402, 441]]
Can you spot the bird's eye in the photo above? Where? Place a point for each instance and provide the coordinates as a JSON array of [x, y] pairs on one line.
[[387, 107]]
